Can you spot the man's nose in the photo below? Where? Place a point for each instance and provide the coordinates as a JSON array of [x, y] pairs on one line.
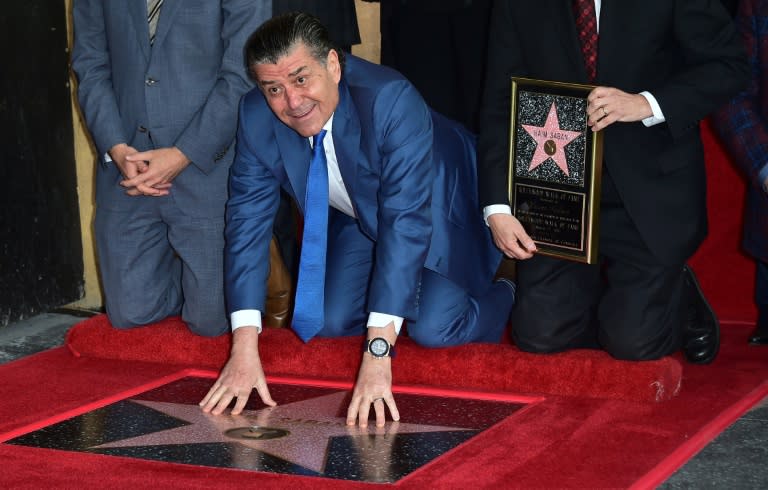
[[292, 97]]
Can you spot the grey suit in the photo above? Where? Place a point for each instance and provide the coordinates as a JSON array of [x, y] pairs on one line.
[[161, 256]]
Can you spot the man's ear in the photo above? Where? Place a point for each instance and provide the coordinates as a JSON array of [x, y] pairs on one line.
[[333, 65]]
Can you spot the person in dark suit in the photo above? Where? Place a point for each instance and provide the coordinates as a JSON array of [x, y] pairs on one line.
[[731, 5], [160, 101], [440, 46], [661, 66], [338, 16], [743, 127], [405, 239]]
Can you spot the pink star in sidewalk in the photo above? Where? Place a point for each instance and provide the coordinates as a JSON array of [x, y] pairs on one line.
[[550, 141]]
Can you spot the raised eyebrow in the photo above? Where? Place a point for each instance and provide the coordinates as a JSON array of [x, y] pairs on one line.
[[294, 73], [297, 71]]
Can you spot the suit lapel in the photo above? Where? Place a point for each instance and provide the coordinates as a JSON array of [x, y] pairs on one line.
[[563, 21], [138, 17], [296, 154], [165, 21], [610, 27], [346, 124]]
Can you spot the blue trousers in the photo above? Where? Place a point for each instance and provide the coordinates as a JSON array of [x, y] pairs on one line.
[[448, 315]]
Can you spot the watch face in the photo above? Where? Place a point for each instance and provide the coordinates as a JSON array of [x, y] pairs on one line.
[[379, 347]]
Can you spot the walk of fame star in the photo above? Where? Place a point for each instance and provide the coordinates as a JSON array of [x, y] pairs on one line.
[[550, 141], [306, 435], [309, 429]]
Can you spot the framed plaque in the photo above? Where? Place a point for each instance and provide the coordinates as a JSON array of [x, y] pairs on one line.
[[555, 166]]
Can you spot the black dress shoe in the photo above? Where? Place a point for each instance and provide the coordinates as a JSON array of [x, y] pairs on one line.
[[701, 330], [759, 337]]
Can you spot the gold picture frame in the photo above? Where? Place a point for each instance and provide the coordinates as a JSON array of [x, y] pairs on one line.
[[555, 168]]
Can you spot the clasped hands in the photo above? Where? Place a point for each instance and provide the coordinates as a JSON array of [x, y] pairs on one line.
[[148, 173]]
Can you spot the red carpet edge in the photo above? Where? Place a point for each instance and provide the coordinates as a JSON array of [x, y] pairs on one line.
[[489, 367]]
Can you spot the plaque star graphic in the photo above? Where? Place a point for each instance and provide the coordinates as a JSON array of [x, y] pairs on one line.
[[309, 425], [550, 141]]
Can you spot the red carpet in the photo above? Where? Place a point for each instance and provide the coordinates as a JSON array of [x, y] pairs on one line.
[[563, 441], [602, 423], [489, 367]]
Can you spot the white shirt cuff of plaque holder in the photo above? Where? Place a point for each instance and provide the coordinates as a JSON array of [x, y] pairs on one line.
[[381, 320], [658, 116], [246, 318], [496, 209]]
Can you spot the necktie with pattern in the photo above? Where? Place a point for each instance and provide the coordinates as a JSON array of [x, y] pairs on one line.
[[153, 13], [586, 24], [308, 313]]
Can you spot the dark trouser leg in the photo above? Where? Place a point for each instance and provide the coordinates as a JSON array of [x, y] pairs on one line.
[[629, 302], [760, 335], [556, 302]]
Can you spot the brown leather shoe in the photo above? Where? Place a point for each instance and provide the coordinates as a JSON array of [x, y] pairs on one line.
[[279, 290]]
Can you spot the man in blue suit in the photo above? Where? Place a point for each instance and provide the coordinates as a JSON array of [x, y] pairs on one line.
[[405, 237], [159, 84]]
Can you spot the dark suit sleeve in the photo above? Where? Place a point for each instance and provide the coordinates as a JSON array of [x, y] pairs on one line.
[[504, 59], [91, 63], [211, 129], [741, 123], [712, 65]]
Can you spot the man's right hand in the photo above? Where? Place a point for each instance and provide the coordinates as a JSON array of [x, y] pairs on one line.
[[129, 169], [510, 236], [242, 373]]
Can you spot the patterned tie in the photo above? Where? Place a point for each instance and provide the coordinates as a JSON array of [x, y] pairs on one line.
[[153, 13], [308, 314], [586, 24]]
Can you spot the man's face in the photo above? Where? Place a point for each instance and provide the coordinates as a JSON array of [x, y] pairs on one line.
[[301, 91]]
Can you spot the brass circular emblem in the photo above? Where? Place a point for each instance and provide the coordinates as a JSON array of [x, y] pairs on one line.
[[256, 432], [550, 147]]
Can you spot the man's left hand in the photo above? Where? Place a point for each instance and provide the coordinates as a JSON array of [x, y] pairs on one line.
[[163, 165], [373, 387], [607, 105]]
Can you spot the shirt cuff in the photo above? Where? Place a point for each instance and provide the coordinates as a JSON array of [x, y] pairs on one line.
[[496, 209], [246, 318], [658, 116], [381, 320]]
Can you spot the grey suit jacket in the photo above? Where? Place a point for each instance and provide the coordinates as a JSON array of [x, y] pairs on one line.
[[182, 91]]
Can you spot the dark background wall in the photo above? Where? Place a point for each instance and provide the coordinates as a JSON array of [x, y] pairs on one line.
[[41, 265]]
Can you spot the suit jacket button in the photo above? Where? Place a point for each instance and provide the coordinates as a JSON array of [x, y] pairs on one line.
[[150, 81], [142, 129]]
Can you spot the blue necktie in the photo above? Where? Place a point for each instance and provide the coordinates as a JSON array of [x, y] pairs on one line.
[[308, 313]]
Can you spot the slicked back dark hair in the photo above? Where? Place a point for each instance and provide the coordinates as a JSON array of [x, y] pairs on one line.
[[278, 36]]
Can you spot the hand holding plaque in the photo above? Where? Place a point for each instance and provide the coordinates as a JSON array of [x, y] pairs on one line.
[[555, 168]]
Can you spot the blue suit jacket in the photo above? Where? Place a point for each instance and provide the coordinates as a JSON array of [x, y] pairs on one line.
[[411, 178], [182, 91]]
